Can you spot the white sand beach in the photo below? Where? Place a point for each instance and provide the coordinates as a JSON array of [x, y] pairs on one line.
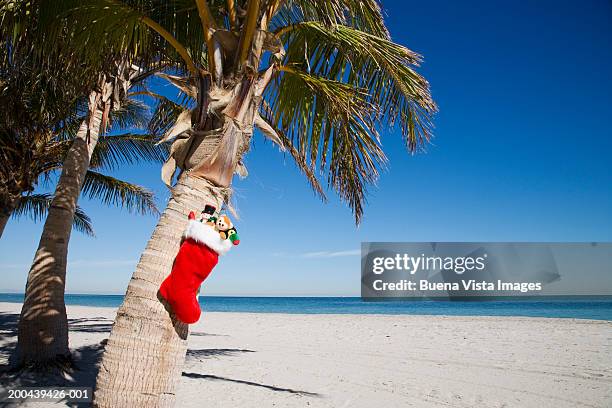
[[263, 360]]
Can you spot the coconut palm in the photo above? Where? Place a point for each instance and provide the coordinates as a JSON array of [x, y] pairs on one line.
[[32, 148], [41, 338], [14, 162], [34, 141], [35, 206], [41, 105], [34, 103], [111, 78], [21, 162], [319, 78], [27, 157]]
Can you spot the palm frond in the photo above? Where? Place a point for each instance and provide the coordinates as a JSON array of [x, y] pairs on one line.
[[385, 71], [165, 115], [132, 113], [82, 222], [331, 125], [338, 82], [138, 25], [300, 159], [36, 207], [363, 15], [92, 40], [112, 191], [128, 148]]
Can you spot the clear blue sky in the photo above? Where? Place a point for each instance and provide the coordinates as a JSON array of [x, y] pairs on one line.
[[522, 153]]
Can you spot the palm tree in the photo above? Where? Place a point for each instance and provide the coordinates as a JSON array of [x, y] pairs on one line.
[[34, 103], [41, 107], [317, 78], [39, 121], [27, 157], [20, 162], [43, 338], [111, 77], [35, 206], [110, 152], [33, 147], [16, 168]]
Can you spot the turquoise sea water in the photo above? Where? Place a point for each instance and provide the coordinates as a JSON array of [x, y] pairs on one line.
[[581, 307]]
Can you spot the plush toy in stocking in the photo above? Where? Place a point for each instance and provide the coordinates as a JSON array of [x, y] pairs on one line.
[[202, 243]]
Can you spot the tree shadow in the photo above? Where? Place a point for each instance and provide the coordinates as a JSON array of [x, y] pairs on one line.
[[209, 353], [85, 370], [87, 359], [84, 359], [84, 327], [8, 323], [207, 334], [251, 383]]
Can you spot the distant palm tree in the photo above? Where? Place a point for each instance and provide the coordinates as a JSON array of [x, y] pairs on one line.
[[33, 107], [33, 153], [21, 162], [318, 78], [35, 206], [57, 105], [32, 148], [43, 336]]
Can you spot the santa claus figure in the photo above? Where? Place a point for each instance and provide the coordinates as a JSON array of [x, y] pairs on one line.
[[202, 244]]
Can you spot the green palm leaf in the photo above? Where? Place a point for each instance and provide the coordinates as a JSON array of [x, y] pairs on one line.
[[112, 191], [131, 114], [110, 153], [165, 114], [331, 125], [125, 22], [128, 148], [36, 207], [385, 71], [279, 137], [82, 222], [364, 15], [337, 82]]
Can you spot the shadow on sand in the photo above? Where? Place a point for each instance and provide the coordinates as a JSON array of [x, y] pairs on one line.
[[251, 383], [8, 324], [210, 353], [87, 358]]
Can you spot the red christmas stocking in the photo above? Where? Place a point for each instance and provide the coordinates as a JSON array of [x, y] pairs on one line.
[[195, 260]]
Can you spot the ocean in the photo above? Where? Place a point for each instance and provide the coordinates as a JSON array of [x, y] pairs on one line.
[[578, 307]]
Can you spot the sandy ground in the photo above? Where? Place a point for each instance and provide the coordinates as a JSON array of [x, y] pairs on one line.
[[263, 360]]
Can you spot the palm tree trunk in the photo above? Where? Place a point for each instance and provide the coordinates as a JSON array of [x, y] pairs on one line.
[[5, 214], [43, 325], [143, 360]]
